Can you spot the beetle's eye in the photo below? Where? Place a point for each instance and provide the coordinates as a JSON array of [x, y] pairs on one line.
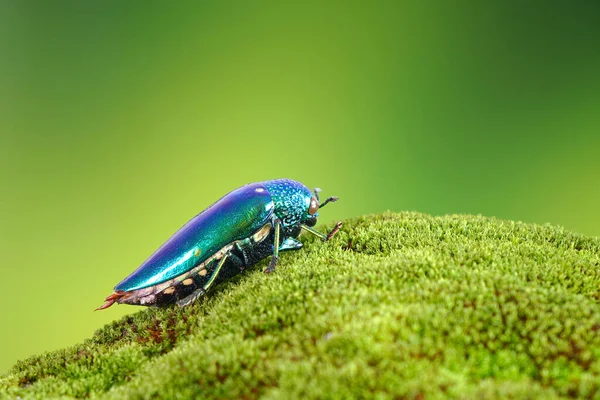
[[314, 206]]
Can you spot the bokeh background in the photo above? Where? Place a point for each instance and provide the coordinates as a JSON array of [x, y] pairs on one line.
[[119, 121]]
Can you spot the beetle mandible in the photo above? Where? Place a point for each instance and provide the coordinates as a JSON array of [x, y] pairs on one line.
[[242, 228]]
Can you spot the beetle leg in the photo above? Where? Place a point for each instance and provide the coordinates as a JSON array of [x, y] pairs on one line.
[[323, 237], [275, 257], [190, 299], [216, 272], [290, 244]]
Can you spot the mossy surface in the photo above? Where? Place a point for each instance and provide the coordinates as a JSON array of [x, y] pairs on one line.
[[395, 306]]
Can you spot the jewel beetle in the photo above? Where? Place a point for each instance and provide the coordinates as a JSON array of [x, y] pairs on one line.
[[242, 228]]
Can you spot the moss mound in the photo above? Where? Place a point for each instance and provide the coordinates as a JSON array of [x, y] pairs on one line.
[[396, 306]]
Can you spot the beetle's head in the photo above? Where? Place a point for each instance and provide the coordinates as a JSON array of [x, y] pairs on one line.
[[294, 203]]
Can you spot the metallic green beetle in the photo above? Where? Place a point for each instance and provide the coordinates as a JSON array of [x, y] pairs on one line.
[[242, 228]]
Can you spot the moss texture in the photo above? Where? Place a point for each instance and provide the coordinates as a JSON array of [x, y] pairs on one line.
[[395, 306]]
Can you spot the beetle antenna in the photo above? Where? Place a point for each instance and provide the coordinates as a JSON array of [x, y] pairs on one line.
[[316, 192], [330, 199]]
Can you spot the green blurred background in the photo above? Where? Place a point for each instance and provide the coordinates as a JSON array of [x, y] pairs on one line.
[[122, 120]]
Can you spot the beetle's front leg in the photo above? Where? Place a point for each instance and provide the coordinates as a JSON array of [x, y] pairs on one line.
[[323, 237], [275, 256]]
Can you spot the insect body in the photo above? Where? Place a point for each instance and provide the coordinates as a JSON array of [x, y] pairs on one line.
[[239, 230]]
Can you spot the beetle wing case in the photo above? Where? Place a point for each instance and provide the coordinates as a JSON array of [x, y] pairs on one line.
[[235, 216]]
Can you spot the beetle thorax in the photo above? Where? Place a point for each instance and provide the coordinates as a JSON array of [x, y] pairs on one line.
[[291, 200]]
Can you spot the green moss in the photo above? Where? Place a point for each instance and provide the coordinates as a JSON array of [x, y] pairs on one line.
[[397, 305]]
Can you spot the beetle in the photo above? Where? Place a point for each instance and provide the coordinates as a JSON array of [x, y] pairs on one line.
[[237, 231]]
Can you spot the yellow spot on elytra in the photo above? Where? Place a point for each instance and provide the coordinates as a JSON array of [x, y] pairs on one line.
[[169, 290], [197, 253], [262, 233], [188, 281], [203, 272]]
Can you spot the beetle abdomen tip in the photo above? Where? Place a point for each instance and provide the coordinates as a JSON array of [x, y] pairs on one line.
[[111, 299]]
